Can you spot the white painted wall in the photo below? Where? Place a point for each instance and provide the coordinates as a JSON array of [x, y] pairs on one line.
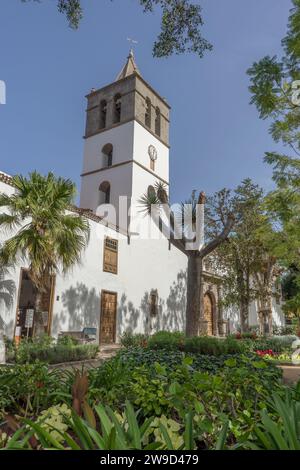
[[7, 313], [142, 140], [130, 142], [143, 265], [121, 137]]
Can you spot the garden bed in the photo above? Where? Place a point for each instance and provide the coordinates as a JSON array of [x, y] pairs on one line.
[[151, 395], [47, 350]]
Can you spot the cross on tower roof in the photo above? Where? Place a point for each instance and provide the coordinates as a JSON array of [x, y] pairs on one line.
[[129, 68]]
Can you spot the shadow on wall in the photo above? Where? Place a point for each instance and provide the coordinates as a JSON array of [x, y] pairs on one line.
[[81, 308], [170, 312], [7, 296], [176, 302]]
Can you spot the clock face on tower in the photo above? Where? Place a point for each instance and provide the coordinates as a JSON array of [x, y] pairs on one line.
[[152, 152]]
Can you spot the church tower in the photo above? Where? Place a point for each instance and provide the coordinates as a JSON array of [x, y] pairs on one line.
[[126, 141]]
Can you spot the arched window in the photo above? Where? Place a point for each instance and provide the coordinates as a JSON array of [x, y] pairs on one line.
[[157, 122], [103, 114], [117, 108], [104, 193], [148, 113], [107, 154]]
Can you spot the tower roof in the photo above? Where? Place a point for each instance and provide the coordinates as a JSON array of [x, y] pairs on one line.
[[129, 68]]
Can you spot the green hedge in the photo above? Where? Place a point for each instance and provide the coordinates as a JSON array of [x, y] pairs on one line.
[[166, 340], [198, 344], [213, 346], [176, 341], [57, 354], [45, 349]]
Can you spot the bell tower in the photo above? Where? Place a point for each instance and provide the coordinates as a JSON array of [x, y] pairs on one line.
[[126, 140]]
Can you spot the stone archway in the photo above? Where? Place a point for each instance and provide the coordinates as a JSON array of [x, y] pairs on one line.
[[209, 313]]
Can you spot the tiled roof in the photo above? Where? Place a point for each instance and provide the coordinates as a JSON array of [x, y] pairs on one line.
[[6, 178]]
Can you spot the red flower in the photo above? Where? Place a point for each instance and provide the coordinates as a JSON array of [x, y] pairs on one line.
[[265, 352]]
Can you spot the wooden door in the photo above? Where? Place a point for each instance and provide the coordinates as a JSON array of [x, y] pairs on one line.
[[208, 314], [108, 317]]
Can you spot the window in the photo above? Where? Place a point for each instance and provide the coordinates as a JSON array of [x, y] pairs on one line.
[[117, 108], [153, 303], [148, 113], [103, 113], [104, 193], [110, 256], [107, 153], [157, 122]]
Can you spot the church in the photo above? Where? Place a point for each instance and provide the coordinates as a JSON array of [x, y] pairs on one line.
[[130, 278]]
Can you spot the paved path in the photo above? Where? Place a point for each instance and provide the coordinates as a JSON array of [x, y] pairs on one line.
[[291, 374]]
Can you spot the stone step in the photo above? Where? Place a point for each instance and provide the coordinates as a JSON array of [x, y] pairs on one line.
[[109, 348]]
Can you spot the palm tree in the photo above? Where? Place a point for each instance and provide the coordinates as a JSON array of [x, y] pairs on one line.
[[189, 219], [42, 232]]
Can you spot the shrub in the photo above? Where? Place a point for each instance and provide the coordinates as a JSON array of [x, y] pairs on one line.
[[166, 340], [246, 335], [44, 349], [277, 343], [284, 330], [29, 352], [67, 340], [27, 389], [59, 354], [213, 346], [131, 340]]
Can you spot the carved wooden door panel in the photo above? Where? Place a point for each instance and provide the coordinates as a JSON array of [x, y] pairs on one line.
[[208, 313], [108, 317]]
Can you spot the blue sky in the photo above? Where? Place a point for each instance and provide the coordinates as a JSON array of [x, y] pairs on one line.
[[217, 138]]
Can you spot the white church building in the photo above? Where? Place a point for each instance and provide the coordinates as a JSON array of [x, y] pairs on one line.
[[127, 280]]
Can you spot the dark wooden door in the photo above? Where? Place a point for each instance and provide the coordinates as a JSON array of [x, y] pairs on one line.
[[208, 314], [108, 317]]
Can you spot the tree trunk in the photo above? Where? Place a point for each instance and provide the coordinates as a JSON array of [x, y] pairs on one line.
[[244, 315], [39, 329], [194, 304]]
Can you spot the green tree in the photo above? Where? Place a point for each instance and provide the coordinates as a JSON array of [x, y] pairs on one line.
[[41, 231], [275, 92], [185, 229], [291, 292], [180, 24], [246, 260]]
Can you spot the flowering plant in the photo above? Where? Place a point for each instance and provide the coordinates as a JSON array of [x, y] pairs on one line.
[[265, 352]]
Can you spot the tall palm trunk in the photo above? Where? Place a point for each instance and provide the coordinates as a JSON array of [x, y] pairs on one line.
[[39, 329], [194, 307]]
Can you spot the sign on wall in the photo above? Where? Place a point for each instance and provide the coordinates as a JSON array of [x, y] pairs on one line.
[[29, 318]]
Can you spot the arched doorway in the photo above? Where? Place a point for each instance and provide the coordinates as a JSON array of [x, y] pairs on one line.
[[209, 313]]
